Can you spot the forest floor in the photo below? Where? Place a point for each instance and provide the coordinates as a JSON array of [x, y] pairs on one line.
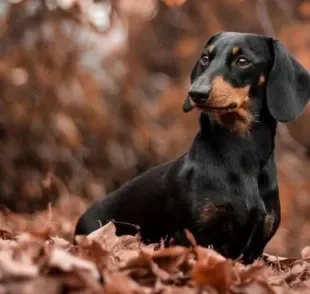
[[37, 256]]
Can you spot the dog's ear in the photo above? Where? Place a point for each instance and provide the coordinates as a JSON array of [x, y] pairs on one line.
[[288, 87], [188, 105]]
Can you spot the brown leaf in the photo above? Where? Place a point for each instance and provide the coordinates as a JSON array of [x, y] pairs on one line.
[[281, 263], [256, 286], [66, 262], [59, 242], [170, 259], [6, 244], [305, 253], [298, 267], [139, 266], [93, 251], [105, 236], [253, 272], [213, 270], [123, 248], [10, 268], [46, 285], [120, 283], [218, 276], [160, 273], [206, 255], [161, 264], [190, 237]]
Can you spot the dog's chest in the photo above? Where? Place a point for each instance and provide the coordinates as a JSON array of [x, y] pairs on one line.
[[224, 196]]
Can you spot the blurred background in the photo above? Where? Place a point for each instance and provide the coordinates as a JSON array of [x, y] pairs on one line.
[[91, 94]]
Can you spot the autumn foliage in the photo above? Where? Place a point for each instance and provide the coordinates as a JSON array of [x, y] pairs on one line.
[[102, 262]]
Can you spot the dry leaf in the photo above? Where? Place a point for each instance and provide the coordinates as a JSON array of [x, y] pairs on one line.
[[259, 287], [59, 242], [66, 262], [305, 253], [213, 270], [219, 275], [122, 248], [253, 272], [171, 259], [105, 235], [120, 283], [10, 268]]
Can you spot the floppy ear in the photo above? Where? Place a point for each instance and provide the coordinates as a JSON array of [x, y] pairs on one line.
[[188, 105], [288, 87]]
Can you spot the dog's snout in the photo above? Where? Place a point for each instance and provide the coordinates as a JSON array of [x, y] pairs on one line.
[[199, 95]]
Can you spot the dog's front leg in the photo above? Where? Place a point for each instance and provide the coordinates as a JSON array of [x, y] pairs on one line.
[[266, 230]]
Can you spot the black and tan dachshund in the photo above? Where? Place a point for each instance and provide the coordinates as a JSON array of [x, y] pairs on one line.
[[224, 189]]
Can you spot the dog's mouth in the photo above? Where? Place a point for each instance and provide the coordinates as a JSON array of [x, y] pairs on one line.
[[208, 108], [235, 116], [189, 105], [214, 108]]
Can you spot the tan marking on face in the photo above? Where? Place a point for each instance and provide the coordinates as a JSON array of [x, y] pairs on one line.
[[210, 49], [235, 50], [269, 224], [223, 94], [261, 80], [210, 212]]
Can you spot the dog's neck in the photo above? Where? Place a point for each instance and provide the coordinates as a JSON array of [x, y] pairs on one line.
[[256, 147]]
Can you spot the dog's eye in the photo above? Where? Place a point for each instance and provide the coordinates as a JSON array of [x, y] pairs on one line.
[[204, 60], [242, 62]]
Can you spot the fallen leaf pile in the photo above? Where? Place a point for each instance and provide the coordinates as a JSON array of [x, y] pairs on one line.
[[105, 263]]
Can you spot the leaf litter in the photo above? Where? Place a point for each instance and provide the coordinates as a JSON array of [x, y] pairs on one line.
[[102, 262]]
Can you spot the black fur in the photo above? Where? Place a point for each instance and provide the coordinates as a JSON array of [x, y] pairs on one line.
[[290, 81], [236, 174]]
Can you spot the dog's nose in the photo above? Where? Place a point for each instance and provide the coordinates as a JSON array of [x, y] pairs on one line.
[[199, 95]]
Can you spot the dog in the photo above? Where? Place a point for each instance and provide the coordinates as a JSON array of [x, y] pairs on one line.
[[224, 190]]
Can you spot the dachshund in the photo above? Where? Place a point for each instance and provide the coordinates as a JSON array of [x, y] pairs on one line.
[[224, 190]]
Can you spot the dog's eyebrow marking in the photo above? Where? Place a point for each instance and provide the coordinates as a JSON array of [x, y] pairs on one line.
[[235, 50], [210, 49], [261, 80]]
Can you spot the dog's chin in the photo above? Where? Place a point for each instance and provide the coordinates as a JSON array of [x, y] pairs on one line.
[[238, 121]]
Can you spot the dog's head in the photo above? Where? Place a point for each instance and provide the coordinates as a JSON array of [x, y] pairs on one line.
[[234, 67]]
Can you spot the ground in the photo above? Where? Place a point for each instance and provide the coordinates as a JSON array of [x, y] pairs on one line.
[[37, 256]]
